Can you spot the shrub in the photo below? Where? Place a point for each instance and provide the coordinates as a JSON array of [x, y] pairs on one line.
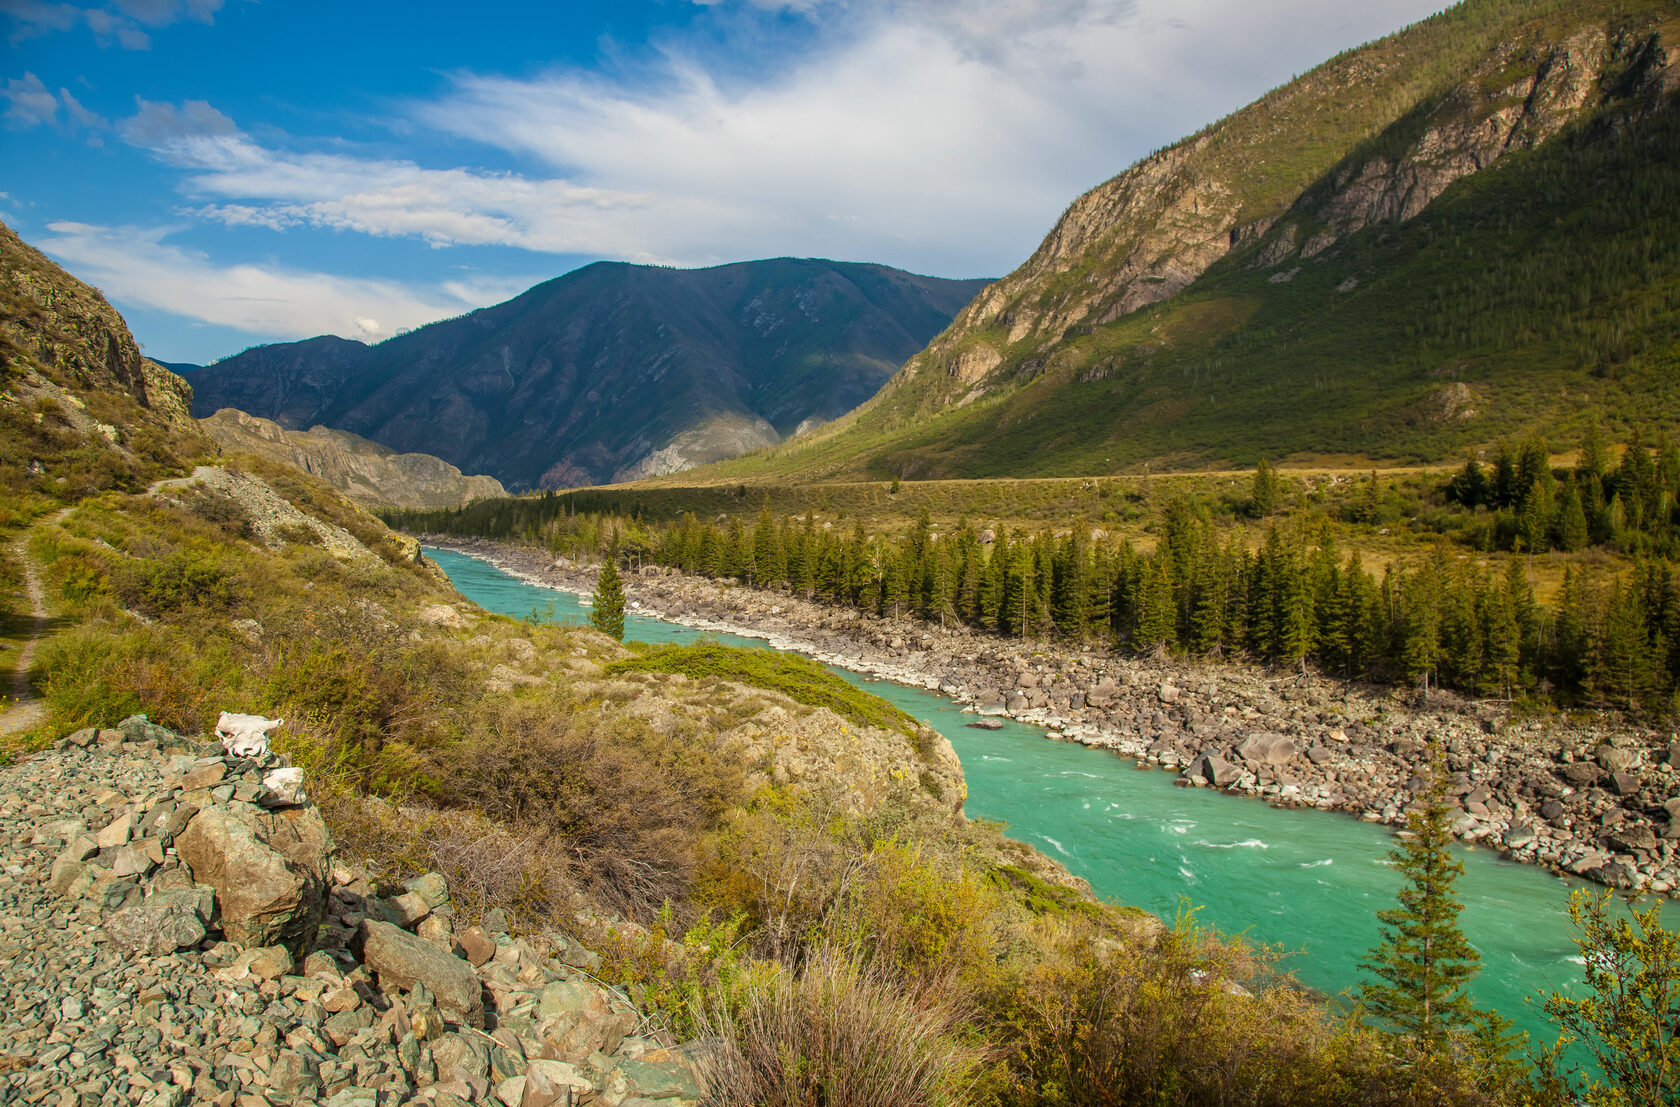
[[840, 1035]]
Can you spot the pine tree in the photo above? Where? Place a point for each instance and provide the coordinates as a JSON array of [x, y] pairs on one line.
[[1265, 492], [607, 614], [1424, 962]]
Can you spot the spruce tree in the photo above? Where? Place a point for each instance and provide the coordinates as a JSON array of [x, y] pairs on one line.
[[1424, 962], [607, 614]]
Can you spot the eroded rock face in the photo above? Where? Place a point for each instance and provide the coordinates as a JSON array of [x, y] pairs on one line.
[[269, 870], [161, 923]]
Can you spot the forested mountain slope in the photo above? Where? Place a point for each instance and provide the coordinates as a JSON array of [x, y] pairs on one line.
[[1463, 231], [610, 372]]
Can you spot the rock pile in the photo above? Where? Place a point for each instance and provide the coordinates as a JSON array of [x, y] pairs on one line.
[[173, 930]]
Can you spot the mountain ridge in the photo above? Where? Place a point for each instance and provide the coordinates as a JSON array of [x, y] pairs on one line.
[[1178, 271], [612, 371]]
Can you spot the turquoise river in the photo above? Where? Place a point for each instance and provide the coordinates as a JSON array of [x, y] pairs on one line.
[[1307, 881]]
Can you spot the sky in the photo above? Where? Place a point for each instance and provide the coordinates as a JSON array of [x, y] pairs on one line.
[[234, 172]]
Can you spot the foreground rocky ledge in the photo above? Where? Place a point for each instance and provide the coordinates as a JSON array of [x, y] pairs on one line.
[[1600, 801], [173, 930]]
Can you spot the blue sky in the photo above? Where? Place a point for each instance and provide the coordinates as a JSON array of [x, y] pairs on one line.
[[232, 172]]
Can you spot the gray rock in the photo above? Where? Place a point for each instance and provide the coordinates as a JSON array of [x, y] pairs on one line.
[[159, 924], [1268, 749], [1614, 759], [401, 960], [1624, 784]]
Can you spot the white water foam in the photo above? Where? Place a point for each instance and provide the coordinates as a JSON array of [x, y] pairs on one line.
[[1318, 864], [1246, 843], [1055, 843]]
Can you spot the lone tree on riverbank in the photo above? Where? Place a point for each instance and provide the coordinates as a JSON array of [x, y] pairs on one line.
[[607, 612], [1424, 962]]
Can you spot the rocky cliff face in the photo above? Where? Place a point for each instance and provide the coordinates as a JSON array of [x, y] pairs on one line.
[[1373, 136], [68, 329], [610, 372], [370, 474]]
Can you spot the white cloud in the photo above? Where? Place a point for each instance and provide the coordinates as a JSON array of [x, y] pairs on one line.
[[80, 115], [28, 103], [135, 265], [940, 135], [120, 23]]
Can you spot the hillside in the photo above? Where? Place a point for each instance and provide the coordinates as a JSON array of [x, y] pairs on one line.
[[372, 475], [610, 372], [1464, 231]]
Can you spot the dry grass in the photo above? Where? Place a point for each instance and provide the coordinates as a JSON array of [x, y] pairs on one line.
[[839, 1035]]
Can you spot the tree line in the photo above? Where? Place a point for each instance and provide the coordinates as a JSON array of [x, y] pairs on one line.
[[1446, 621]]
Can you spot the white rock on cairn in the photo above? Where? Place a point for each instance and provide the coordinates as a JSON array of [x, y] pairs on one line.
[[245, 735]]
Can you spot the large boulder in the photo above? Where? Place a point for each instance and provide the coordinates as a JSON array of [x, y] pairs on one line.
[[401, 961], [269, 869], [1268, 749]]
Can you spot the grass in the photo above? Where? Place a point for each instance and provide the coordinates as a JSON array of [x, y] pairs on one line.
[[796, 677]]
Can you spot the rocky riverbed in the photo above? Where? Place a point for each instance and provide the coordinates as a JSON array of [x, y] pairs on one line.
[[175, 927], [1596, 797]]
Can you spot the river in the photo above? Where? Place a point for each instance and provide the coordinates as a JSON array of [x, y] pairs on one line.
[[1309, 882]]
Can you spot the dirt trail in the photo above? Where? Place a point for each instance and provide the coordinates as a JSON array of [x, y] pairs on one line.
[[23, 710]]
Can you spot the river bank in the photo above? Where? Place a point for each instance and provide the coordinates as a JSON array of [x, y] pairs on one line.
[[1596, 800]]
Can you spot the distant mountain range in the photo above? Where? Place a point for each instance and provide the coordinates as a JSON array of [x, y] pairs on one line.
[[1465, 231], [609, 373]]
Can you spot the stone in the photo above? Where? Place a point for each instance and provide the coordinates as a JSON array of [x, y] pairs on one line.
[[1268, 749], [1581, 773], [204, 776], [433, 928], [1624, 784], [476, 945], [1614, 759], [116, 833], [464, 1052], [1215, 770], [431, 887], [292, 1079], [554, 1084], [269, 871], [158, 925], [1168, 692], [511, 1092], [1520, 835], [284, 788], [405, 910], [649, 1080], [268, 962], [66, 871], [402, 960]]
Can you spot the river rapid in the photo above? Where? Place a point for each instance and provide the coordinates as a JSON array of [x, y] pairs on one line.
[[1308, 882]]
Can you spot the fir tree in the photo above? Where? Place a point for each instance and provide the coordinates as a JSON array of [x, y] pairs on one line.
[[1266, 491], [607, 614], [1424, 962]]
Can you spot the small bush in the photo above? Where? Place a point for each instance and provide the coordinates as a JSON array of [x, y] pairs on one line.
[[839, 1035]]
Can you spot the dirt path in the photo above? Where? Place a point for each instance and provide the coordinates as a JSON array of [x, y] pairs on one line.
[[23, 709]]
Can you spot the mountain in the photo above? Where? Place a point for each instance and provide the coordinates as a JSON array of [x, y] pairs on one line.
[[610, 372], [372, 475], [1463, 231]]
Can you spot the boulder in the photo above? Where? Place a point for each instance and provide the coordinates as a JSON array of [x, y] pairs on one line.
[[269, 870], [1268, 749], [549, 1083], [159, 925], [1614, 759], [1581, 773], [1215, 770], [401, 960], [1624, 784], [1103, 695]]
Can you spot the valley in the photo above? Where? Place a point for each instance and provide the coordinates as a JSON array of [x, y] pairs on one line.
[[1232, 659]]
